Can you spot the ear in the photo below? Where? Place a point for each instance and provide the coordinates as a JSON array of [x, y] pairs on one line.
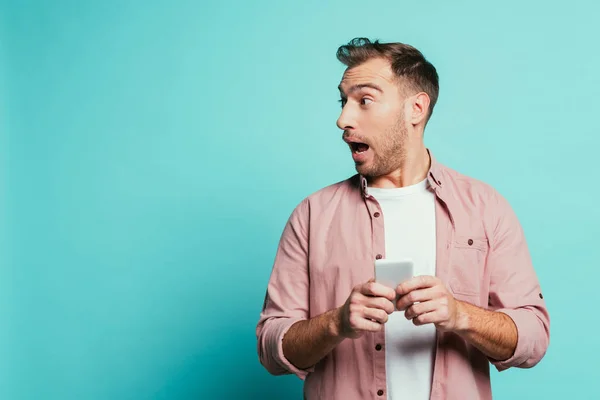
[[419, 108]]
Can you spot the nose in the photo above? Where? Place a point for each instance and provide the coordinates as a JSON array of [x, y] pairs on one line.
[[346, 121]]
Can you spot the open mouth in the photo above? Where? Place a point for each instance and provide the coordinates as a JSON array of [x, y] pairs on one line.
[[359, 147]]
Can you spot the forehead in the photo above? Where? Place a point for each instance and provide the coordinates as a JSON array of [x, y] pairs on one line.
[[377, 71]]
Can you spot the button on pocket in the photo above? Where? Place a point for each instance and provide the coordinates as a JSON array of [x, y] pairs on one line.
[[471, 242]]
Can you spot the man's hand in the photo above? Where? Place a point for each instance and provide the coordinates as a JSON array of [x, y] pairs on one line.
[[427, 301], [366, 309]]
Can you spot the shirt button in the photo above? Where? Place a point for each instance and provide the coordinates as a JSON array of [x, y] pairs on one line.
[[376, 215], [470, 242], [378, 257], [378, 347], [380, 392], [541, 297]]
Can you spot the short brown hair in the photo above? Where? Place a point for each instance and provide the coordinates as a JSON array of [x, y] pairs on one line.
[[407, 62]]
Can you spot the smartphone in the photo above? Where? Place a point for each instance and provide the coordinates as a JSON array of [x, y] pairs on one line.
[[391, 273]]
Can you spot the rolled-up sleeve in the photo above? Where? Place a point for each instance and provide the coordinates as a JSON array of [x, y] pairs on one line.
[[287, 297], [515, 289]]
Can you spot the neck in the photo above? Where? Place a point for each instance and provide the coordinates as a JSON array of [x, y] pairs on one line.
[[412, 170]]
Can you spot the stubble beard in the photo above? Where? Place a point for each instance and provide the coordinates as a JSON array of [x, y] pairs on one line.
[[391, 152]]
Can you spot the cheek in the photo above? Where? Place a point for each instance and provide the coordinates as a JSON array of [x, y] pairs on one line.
[[385, 119], [381, 134], [376, 126]]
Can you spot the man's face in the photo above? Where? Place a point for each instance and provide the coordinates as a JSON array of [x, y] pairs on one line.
[[372, 117]]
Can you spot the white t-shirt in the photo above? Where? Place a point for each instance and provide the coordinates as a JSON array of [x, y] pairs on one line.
[[409, 221]]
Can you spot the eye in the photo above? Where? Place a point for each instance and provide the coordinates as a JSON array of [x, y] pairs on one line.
[[365, 101], [342, 102]]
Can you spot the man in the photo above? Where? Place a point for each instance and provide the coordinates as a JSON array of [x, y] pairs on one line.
[[475, 298]]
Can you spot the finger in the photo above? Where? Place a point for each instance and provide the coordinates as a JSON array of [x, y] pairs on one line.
[[419, 295], [421, 308], [376, 315], [375, 289], [381, 303], [418, 282], [365, 325], [427, 318]]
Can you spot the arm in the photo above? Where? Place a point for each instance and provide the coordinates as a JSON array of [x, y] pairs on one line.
[[493, 333], [307, 342], [287, 296], [515, 332], [515, 290], [366, 310], [426, 300], [290, 342]]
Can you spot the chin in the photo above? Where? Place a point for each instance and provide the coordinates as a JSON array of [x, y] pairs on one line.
[[363, 169]]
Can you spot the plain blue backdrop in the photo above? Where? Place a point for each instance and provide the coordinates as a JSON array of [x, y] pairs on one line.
[[151, 152]]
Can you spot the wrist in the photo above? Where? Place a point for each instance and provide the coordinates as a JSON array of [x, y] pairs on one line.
[[463, 320], [335, 323]]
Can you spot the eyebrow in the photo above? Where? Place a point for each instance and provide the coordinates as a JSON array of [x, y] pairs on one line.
[[358, 87]]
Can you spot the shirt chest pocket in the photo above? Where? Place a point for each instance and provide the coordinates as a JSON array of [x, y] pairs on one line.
[[467, 266]]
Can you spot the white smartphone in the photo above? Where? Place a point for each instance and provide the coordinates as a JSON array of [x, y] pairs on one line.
[[391, 273]]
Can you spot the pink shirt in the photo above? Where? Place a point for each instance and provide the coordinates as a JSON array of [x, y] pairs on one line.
[[329, 246]]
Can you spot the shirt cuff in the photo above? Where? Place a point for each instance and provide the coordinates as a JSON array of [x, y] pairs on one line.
[[279, 328], [523, 321]]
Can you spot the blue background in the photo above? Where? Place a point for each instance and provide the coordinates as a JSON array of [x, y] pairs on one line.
[[151, 152]]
